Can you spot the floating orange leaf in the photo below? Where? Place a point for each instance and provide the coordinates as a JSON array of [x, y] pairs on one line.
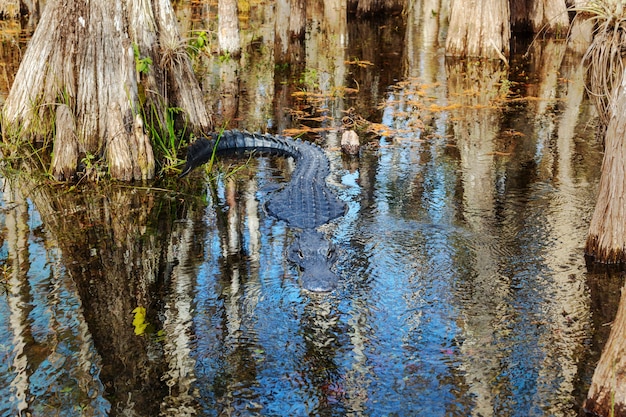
[[359, 63]]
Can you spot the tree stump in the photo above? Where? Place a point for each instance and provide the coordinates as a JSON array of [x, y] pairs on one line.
[[350, 144]]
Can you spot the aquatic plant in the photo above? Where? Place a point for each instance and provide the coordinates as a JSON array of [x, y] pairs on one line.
[[166, 140], [142, 64]]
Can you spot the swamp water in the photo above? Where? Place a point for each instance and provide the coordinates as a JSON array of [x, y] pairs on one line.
[[463, 288]]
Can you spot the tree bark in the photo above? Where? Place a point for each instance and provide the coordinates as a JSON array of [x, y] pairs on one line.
[[607, 394], [228, 27], [65, 151], [606, 241], [289, 29], [13, 9], [486, 34], [549, 16], [82, 55], [297, 19], [546, 16], [520, 15], [370, 7], [9, 9]]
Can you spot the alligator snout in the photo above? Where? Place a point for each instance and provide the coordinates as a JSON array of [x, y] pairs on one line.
[[320, 282], [314, 255]]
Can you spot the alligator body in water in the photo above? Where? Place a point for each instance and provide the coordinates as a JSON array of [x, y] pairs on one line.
[[305, 203]]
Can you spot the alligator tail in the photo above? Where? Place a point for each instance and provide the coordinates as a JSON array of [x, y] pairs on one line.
[[201, 151], [238, 140], [198, 153]]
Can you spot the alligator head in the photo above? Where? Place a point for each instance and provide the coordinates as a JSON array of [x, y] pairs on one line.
[[314, 255]]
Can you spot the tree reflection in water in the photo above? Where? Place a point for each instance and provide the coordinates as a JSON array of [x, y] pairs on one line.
[[463, 289]]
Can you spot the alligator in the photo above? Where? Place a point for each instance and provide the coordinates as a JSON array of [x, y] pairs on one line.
[[305, 203]]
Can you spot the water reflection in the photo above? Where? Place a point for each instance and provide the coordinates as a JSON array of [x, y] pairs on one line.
[[463, 288], [50, 360]]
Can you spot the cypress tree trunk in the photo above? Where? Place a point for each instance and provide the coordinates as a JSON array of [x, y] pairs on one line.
[[228, 27], [607, 394], [520, 15], [479, 28], [372, 7], [13, 9], [549, 16], [104, 61], [9, 9], [546, 16], [606, 241], [289, 29]]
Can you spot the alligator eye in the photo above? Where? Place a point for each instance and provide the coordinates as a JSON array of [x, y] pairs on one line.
[[300, 254]]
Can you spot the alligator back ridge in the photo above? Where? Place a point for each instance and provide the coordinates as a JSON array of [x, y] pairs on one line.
[[306, 202]]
